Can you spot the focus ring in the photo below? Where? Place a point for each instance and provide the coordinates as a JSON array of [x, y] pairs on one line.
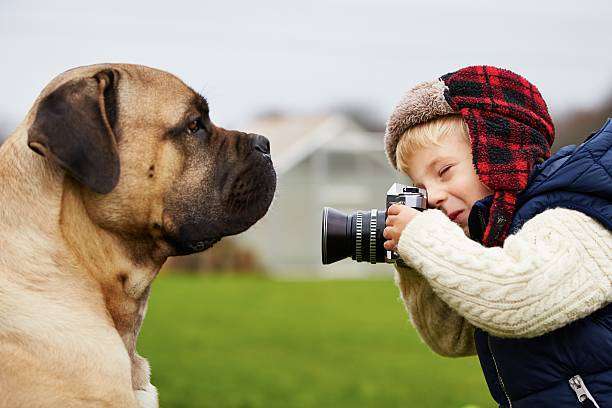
[[373, 222], [358, 234]]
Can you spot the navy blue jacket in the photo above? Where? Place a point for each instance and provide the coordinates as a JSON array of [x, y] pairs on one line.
[[536, 372]]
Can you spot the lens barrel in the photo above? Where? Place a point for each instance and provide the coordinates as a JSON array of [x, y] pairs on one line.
[[358, 235]]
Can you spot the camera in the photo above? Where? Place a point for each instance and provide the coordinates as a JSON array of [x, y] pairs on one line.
[[360, 234]]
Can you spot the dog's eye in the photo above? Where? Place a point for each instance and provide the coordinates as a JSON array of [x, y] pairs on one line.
[[194, 126]]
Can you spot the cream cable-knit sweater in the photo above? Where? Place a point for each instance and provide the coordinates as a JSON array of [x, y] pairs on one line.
[[556, 269]]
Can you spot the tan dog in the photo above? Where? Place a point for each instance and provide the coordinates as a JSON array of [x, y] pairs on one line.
[[130, 170]]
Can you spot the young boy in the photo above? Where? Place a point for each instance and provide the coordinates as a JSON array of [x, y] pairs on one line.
[[514, 260]]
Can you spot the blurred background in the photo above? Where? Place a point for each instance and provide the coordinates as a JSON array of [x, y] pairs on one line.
[[257, 321]]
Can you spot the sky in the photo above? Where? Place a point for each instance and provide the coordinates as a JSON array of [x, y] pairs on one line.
[[308, 57]]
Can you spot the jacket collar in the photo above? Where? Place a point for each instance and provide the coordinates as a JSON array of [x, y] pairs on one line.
[[479, 217]]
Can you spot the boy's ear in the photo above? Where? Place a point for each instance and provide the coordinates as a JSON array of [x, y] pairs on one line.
[[74, 128]]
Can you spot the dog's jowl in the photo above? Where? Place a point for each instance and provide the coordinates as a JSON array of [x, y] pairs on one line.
[[115, 168]]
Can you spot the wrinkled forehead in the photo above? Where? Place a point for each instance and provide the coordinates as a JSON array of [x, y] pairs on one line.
[[158, 96]]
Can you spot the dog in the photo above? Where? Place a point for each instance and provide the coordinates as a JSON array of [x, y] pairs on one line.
[[115, 168]]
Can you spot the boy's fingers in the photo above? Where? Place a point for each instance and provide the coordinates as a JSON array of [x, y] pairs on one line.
[[389, 245], [387, 232], [394, 209], [390, 220]]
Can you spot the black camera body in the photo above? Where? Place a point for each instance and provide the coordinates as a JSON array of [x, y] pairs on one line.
[[359, 235]]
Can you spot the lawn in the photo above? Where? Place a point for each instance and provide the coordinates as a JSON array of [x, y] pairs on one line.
[[253, 342]]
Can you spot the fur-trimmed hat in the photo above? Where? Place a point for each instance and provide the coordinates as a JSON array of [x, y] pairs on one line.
[[509, 125]]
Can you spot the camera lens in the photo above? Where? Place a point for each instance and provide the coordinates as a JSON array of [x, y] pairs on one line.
[[358, 235]]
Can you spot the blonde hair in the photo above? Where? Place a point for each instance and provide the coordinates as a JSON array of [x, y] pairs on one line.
[[427, 134]]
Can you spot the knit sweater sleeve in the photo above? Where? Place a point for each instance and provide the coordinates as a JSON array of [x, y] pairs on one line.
[[556, 269], [440, 327]]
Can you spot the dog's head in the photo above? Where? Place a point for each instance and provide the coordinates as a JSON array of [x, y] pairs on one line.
[[148, 158]]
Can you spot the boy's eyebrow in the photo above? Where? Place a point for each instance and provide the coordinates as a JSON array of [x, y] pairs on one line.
[[434, 162]]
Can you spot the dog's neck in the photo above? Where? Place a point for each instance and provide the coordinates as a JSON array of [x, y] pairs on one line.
[[116, 261]]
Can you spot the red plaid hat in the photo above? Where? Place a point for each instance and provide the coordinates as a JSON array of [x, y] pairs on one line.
[[509, 126]]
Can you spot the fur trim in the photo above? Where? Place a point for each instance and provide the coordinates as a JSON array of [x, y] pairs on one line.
[[422, 103]]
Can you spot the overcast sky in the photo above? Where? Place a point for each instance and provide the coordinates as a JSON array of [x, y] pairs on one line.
[[309, 56]]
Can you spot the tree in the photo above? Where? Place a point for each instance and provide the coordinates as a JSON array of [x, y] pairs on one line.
[[577, 125]]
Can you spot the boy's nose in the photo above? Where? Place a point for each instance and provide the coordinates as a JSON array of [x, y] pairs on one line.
[[435, 198]]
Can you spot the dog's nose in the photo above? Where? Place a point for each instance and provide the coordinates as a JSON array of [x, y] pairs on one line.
[[261, 143]]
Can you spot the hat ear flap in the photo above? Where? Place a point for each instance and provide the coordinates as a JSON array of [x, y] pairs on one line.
[[73, 127]]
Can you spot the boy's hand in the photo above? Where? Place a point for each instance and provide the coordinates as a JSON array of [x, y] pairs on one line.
[[398, 216]]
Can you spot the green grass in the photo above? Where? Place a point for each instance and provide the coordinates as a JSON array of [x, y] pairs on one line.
[[252, 342]]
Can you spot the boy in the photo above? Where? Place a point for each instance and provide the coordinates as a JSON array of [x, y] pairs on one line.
[[529, 291]]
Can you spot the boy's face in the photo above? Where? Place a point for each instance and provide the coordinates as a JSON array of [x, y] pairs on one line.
[[447, 173]]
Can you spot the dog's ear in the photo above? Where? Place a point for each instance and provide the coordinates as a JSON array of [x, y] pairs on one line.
[[74, 128]]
